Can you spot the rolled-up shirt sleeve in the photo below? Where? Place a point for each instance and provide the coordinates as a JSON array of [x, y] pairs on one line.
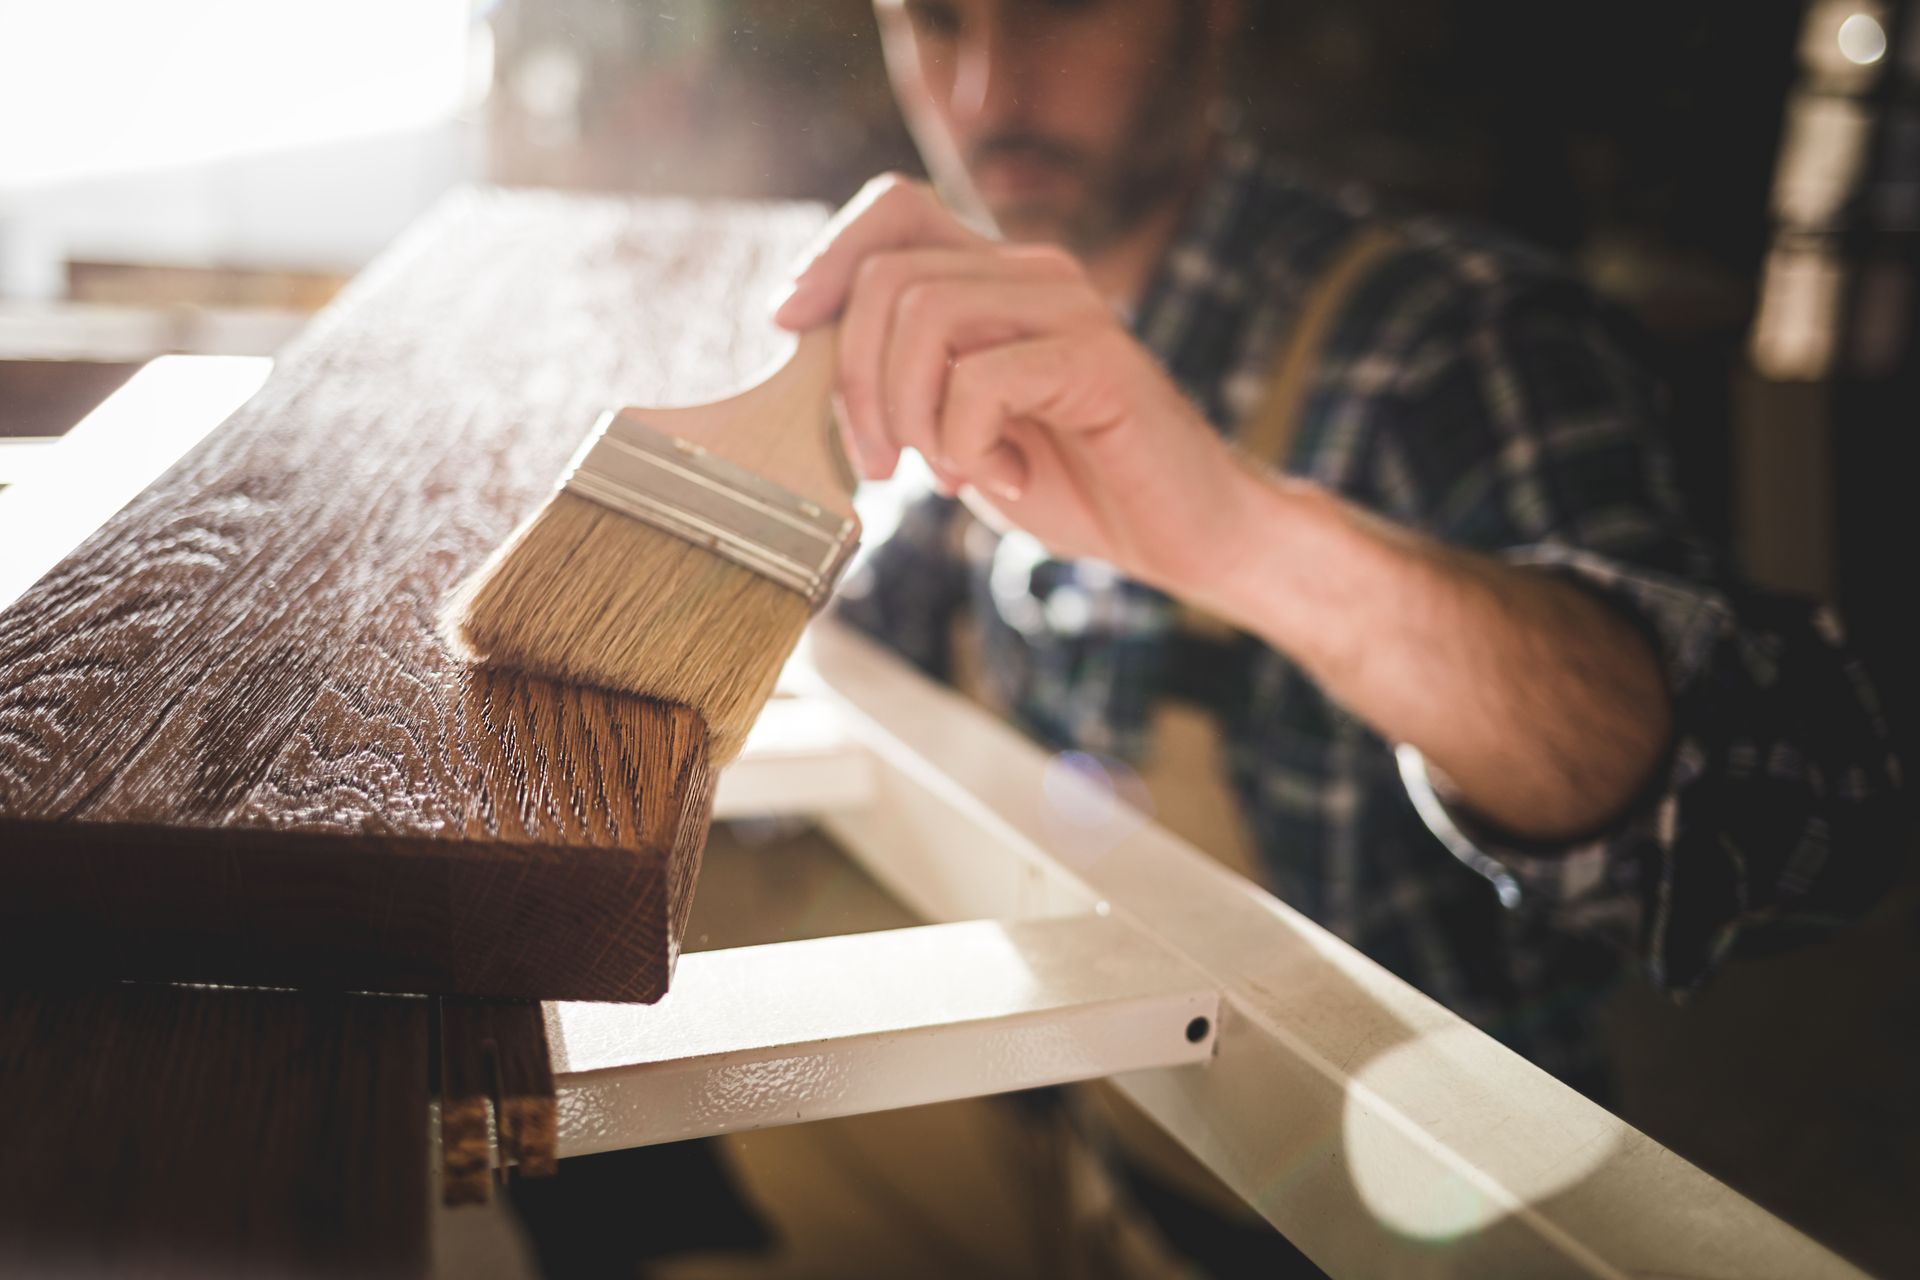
[[1527, 428], [1777, 813]]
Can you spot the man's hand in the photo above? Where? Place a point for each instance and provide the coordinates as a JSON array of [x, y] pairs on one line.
[[1006, 368], [1009, 372]]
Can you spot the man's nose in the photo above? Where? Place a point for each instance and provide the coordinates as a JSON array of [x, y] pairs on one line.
[[987, 79]]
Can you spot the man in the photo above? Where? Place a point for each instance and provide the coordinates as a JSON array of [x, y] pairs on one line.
[[1489, 711], [1605, 737]]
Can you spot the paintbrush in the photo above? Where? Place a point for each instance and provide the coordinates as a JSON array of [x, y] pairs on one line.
[[682, 554]]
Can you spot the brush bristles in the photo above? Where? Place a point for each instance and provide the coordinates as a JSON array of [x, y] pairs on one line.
[[590, 596]]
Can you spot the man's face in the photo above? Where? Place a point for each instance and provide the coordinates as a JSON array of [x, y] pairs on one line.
[[1065, 120]]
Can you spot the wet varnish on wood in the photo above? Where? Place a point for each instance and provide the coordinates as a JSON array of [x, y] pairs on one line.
[[233, 746]]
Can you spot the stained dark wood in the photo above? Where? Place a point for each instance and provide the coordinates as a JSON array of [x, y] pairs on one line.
[[168, 1131], [232, 744], [494, 1062], [524, 1093], [466, 1147]]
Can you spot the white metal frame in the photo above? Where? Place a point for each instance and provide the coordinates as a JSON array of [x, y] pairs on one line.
[[130, 438], [1071, 939], [1379, 1131], [794, 1031]]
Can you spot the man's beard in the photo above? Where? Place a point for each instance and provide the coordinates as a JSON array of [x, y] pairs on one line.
[[1147, 170]]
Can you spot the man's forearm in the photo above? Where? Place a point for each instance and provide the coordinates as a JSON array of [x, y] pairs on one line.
[[1542, 707]]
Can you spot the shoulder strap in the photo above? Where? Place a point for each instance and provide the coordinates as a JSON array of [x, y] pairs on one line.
[[1267, 435]]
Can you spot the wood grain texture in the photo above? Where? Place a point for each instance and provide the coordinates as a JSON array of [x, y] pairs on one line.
[[232, 745], [170, 1131]]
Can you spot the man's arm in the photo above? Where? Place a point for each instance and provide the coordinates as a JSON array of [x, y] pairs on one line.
[[1543, 707], [1009, 372], [1519, 429]]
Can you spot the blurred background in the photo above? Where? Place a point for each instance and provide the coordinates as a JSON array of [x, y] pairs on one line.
[[200, 176]]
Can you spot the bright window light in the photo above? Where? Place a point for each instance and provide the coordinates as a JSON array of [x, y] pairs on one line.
[[96, 87]]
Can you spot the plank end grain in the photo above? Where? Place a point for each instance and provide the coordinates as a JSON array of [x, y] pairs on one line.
[[493, 1061], [233, 746]]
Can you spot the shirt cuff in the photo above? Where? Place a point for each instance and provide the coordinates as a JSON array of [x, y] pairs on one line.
[[1779, 811], [1579, 882], [1613, 882]]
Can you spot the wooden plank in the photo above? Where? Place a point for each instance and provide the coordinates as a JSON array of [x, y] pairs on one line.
[[154, 1130], [232, 744]]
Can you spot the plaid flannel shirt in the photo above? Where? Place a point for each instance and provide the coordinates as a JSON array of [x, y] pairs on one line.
[[1473, 390]]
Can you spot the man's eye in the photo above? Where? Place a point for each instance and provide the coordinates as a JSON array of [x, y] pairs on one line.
[[930, 18]]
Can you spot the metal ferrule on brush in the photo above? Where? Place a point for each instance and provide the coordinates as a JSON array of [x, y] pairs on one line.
[[679, 488]]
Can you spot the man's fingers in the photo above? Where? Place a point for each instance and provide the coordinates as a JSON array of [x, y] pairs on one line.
[[880, 265], [865, 326], [938, 321], [1004, 473], [1060, 382], [870, 461], [891, 212], [872, 326], [1023, 485]]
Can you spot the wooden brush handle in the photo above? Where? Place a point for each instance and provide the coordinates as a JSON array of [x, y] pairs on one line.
[[781, 427]]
